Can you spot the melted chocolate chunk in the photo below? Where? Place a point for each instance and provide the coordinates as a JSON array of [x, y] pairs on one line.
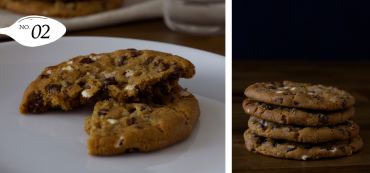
[[149, 60], [290, 149], [142, 108], [135, 54], [271, 87], [43, 76], [86, 61], [276, 126], [296, 103], [122, 61], [132, 110], [132, 120], [103, 111], [110, 81], [324, 119], [341, 148], [280, 101], [344, 102], [54, 87], [260, 126], [36, 102]]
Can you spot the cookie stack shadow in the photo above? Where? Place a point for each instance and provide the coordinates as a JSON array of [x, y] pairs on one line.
[[300, 121]]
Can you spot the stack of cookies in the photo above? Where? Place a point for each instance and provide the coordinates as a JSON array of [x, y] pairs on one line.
[[300, 121]]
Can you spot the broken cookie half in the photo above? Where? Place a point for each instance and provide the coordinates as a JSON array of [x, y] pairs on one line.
[[125, 75], [117, 127]]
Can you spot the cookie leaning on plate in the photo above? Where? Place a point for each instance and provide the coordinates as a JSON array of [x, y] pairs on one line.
[[126, 75], [301, 95], [117, 127], [303, 117], [60, 8], [301, 133], [300, 151]]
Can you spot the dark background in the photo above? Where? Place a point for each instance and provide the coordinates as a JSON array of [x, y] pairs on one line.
[[301, 30]]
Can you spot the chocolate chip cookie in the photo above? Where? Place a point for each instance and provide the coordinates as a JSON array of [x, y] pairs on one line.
[[301, 133], [300, 151], [60, 8], [301, 95], [303, 117], [117, 127], [126, 75]]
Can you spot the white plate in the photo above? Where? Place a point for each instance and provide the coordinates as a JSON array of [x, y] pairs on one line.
[[55, 141]]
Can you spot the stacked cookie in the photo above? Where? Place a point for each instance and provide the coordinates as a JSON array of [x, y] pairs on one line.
[[300, 121]]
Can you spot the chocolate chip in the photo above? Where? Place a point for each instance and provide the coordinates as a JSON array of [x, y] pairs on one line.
[[166, 66], [52, 87], [324, 119], [122, 61], [132, 110], [103, 111], [293, 94], [348, 123], [285, 93], [342, 130], [264, 105], [264, 141], [290, 149], [276, 144], [149, 60], [176, 72], [300, 92], [271, 87], [186, 122], [260, 126], [135, 54], [104, 92], [142, 108], [256, 136], [280, 101], [270, 107], [294, 110], [36, 102], [132, 120], [317, 97], [296, 103], [43, 76], [132, 150], [342, 148], [86, 61], [276, 126], [110, 81], [344, 102], [331, 126], [138, 127]]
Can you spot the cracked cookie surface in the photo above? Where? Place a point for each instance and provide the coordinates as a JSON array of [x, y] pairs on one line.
[[301, 133], [60, 8], [301, 151], [117, 127], [301, 95], [303, 117], [126, 75]]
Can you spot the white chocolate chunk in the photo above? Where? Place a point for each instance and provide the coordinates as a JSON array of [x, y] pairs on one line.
[[119, 142], [304, 157], [287, 87], [184, 93], [112, 121], [294, 88], [129, 73], [95, 57], [130, 87], [333, 150], [279, 91], [86, 93], [69, 68], [48, 72], [108, 75], [248, 110], [69, 62]]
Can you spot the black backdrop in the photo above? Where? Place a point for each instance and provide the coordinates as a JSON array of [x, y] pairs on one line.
[[301, 30]]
